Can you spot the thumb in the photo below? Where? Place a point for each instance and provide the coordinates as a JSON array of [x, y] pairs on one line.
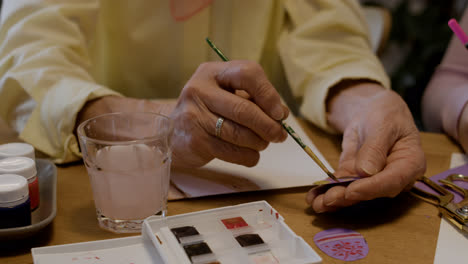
[[350, 147], [372, 156]]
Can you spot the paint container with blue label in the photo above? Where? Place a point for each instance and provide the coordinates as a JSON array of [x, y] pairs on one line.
[[14, 201], [25, 167]]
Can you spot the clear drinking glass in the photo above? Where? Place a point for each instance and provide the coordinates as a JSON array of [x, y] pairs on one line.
[[128, 158]]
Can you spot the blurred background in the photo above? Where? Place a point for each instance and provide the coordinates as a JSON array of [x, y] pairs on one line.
[[418, 38], [416, 43]]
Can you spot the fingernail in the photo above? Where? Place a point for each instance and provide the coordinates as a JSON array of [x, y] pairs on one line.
[[353, 196], [276, 140], [283, 136], [278, 112], [319, 211], [369, 169], [331, 203], [280, 137]]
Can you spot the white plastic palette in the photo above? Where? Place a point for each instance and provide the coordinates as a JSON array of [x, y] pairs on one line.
[[246, 233], [116, 251]]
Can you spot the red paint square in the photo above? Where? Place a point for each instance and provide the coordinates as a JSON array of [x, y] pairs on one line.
[[235, 222]]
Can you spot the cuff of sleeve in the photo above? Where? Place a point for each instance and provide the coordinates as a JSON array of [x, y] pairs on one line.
[[51, 124], [451, 113], [448, 97], [316, 92]]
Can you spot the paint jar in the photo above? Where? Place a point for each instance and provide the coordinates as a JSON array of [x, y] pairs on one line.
[[14, 201], [25, 167], [16, 150]]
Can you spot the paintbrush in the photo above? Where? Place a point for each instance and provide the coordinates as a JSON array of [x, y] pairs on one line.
[[288, 129]]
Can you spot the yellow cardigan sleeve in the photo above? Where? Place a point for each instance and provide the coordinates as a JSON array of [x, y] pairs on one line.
[[45, 71], [326, 42]]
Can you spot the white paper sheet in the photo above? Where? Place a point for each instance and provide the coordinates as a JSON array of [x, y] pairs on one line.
[[124, 255], [130, 250], [281, 165], [452, 244]]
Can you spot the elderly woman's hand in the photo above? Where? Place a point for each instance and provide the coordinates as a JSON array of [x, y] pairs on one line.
[[250, 121], [237, 91], [380, 143]]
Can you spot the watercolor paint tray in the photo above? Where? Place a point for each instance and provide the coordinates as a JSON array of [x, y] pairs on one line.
[[45, 213], [246, 233]]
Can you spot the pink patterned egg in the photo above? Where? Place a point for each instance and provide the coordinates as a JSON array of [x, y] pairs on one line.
[[342, 244]]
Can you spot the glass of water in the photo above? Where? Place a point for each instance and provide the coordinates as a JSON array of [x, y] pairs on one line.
[[128, 159]]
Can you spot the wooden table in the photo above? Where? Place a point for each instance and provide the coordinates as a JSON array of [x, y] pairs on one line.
[[399, 230]]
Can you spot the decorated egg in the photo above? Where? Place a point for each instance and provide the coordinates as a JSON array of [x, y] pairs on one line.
[[342, 244]]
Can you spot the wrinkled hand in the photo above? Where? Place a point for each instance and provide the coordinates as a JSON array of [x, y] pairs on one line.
[[463, 129], [250, 122], [239, 91], [381, 144]]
